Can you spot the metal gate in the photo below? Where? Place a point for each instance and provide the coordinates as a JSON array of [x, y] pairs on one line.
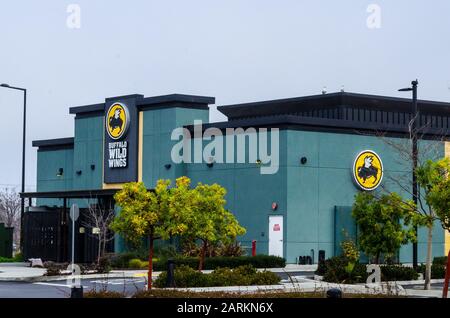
[[45, 234], [48, 234]]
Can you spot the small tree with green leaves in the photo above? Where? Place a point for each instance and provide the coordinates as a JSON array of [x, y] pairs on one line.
[[211, 222], [384, 223], [157, 214], [433, 177]]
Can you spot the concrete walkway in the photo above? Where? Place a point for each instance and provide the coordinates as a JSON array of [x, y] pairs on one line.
[[23, 272], [19, 272]]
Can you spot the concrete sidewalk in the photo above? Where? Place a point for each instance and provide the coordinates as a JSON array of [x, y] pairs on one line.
[[23, 272], [19, 272]]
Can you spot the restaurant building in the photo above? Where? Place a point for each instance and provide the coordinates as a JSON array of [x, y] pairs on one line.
[[291, 167]]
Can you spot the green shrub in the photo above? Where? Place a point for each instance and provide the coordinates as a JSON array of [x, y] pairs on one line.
[[184, 276], [18, 257], [6, 259], [164, 252], [211, 263], [335, 270], [104, 265], [265, 278], [240, 276], [437, 270], [122, 260], [398, 273], [135, 263], [247, 275], [441, 260]]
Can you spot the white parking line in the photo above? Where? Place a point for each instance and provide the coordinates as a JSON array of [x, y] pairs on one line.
[[119, 281], [56, 285]]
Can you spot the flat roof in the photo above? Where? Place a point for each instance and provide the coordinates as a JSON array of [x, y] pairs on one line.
[[71, 194], [331, 100], [53, 142], [180, 100]]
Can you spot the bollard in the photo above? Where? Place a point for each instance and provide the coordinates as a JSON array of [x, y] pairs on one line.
[[254, 248], [334, 293], [170, 273], [321, 256], [76, 292]]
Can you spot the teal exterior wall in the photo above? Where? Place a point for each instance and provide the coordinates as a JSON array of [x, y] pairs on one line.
[[306, 194], [48, 164], [250, 194], [88, 150], [326, 181], [157, 143]]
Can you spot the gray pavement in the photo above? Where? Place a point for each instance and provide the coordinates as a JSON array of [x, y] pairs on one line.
[[60, 289]]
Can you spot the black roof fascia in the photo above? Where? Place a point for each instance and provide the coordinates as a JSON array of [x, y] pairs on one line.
[[155, 102], [77, 194], [321, 124], [53, 142], [72, 194], [332, 100], [87, 109]]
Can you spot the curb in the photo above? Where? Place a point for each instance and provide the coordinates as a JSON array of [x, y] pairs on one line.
[[35, 279], [90, 276]]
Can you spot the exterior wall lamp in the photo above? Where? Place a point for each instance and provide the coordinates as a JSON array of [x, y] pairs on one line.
[[210, 163], [60, 172]]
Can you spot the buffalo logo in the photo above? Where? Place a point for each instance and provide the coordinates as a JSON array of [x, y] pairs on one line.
[[368, 170], [117, 120]]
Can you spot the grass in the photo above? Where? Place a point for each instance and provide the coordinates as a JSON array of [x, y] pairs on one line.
[[17, 258]]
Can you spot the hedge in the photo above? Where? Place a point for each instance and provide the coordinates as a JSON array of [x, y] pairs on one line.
[[246, 275], [333, 270], [258, 261]]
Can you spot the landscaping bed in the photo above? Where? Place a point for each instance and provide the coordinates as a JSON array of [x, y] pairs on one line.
[[170, 293], [184, 276], [132, 261], [336, 270]]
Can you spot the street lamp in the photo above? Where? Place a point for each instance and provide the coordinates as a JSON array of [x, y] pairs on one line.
[[414, 152], [22, 202]]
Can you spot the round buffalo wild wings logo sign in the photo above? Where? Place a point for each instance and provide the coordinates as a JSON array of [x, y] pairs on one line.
[[368, 170], [117, 120]]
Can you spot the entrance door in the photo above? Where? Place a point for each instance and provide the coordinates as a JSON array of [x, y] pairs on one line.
[[276, 235]]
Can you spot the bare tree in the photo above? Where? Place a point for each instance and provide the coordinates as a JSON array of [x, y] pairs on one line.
[[98, 220], [10, 211], [402, 180]]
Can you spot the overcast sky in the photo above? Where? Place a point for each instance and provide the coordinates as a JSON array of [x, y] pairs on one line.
[[235, 50]]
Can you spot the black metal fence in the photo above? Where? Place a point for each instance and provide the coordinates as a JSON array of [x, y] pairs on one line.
[[6, 241], [48, 235]]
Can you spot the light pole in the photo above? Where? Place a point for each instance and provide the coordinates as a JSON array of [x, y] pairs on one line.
[[414, 152], [22, 201]]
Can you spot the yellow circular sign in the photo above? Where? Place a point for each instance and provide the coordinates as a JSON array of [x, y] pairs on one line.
[[368, 170], [117, 120]]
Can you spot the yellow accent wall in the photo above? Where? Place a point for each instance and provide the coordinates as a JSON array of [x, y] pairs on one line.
[[447, 233], [447, 242], [140, 145]]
